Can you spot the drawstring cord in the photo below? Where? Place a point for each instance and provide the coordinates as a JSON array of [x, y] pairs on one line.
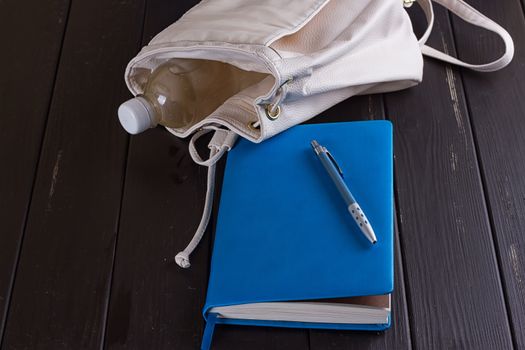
[[221, 142], [273, 107]]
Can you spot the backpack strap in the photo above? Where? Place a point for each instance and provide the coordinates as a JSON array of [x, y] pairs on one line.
[[470, 15], [221, 142]]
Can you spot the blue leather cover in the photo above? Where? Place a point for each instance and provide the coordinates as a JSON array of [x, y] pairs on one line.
[[283, 231]]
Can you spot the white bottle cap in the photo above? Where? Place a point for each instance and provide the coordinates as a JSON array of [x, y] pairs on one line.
[[135, 116]]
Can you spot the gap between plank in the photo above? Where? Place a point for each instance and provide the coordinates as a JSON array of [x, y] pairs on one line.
[[483, 182], [5, 317], [122, 190]]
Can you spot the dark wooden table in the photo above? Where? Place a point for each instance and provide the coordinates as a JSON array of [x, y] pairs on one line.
[[91, 218]]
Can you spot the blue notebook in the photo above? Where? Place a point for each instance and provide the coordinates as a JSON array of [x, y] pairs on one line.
[[286, 252]]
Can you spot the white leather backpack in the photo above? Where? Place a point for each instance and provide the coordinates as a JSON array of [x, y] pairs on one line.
[[315, 53]]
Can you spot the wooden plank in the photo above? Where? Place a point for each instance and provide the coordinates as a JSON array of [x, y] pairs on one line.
[[154, 303], [368, 107], [260, 338], [496, 104], [62, 283], [398, 337], [28, 75], [453, 285]]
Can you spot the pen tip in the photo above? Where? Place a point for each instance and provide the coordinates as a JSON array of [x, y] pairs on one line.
[[374, 242]]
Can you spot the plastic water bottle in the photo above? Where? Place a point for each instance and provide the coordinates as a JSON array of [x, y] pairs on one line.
[[182, 92]]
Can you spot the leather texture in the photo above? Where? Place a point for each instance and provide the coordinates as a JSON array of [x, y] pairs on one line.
[[318, 53], [282, 223]]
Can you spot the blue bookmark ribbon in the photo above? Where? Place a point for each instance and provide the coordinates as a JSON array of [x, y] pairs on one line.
[[208, 331]]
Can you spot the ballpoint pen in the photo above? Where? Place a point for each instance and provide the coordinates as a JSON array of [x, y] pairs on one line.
[[336, 174]]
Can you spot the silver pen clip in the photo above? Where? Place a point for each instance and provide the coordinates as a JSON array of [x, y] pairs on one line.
[[339, 170], [321, 149]]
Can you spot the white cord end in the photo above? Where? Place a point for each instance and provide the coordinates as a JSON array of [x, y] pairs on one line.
[[183, 260]]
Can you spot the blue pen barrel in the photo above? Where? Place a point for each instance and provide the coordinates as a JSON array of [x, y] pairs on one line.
[[336, 178]]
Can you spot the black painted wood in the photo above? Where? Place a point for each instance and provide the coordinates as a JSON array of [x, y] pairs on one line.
[[162, 205], [154, 303], [398, 337], [259, 338], [62, 281], [367, 107], [453, 286], [451, 242], [26, 85], [497, 110]]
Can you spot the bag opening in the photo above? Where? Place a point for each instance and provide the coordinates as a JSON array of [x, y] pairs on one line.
[[214, 82], [249, 78]]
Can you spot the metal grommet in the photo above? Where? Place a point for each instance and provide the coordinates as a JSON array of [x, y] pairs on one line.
[[408, 3], [254, 125], [274, 115]]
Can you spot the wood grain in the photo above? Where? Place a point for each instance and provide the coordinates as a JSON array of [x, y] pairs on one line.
[[398, 337], [453, 286], [26, 85], [497, 109], [62, 282], [71, 193], [154, 303]]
